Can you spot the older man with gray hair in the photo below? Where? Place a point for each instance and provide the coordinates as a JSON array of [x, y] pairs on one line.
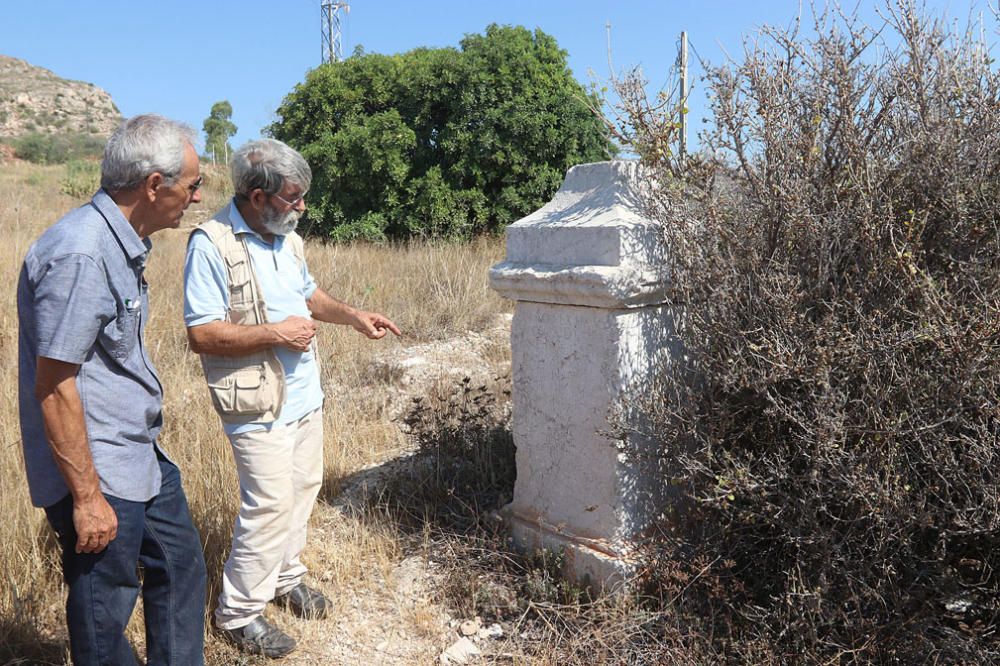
[[90, 406], [251, 306]]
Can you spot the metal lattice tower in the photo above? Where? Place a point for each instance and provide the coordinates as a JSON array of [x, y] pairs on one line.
[[333, 50]]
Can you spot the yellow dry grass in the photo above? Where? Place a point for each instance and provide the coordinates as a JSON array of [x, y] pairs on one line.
[[431, 291]]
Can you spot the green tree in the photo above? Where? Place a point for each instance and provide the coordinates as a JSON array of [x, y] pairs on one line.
[[218, 128], [440, 142]]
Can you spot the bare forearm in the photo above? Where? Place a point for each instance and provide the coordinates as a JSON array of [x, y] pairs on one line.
[[325, 307], [66, 430], [94, 520], [223, 338]]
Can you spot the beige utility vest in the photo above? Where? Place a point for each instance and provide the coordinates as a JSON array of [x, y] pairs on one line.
[[248, 388]]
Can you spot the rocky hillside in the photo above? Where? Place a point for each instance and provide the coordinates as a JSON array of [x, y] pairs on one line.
[[34, 100]]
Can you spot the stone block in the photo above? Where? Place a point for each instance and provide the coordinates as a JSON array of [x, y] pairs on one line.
[[591, 324]]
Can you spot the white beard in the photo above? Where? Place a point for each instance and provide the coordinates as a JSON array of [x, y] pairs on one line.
[[278, 224]]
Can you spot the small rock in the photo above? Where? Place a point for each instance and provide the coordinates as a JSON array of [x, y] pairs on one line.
[[959, 605], [492, 631], [461, 652], [469, 628]]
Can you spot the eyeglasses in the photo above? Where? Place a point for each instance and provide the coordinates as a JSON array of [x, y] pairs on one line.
[[196, 185], [294, 202]]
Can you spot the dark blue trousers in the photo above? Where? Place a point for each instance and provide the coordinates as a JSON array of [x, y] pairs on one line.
[[158, 535]]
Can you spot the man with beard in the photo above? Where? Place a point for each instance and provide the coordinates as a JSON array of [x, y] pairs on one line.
[[250, 307]]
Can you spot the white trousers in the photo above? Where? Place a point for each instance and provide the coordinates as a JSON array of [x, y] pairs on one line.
[[280, 473]]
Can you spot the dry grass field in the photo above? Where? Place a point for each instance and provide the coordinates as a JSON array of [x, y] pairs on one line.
[[432, 292], [404, 554]]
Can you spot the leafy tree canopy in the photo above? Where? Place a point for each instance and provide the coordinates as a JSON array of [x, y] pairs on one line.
[[440, 142], [218, 128]]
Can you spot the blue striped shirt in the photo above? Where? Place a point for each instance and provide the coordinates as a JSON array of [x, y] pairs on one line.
[[82, 299]]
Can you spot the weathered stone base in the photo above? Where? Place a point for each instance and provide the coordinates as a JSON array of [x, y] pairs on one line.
[[592, 563]]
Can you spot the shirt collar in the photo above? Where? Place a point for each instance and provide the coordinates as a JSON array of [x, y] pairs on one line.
[[239, 225], [135, 248]]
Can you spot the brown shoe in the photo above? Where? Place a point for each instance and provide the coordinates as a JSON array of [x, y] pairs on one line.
[[304, 602]]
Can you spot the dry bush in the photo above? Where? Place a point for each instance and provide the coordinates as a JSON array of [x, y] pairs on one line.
[[464, 469], [837, 253], [447, 497]]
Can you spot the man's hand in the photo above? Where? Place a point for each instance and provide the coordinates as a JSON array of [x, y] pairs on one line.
[[296, 333], [373, 325], [96, 524]]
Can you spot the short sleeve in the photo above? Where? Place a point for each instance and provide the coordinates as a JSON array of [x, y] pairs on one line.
[[308, 283], [72, 303], [206, 297]]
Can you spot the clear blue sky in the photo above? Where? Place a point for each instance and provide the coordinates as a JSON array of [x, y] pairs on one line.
[[178, 58]]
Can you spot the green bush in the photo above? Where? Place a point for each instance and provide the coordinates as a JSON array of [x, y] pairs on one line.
[[838, 250], [58, 148], [82, 179], [440, 142]]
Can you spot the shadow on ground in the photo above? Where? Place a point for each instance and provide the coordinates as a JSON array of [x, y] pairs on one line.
[[459, 473], [22, 643]]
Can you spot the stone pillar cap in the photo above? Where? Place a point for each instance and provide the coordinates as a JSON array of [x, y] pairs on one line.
[[591, 245]]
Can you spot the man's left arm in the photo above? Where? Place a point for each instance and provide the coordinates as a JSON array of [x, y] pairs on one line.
[[326, 308]]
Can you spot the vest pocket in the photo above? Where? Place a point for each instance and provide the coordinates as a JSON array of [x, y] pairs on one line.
[[241, 299], [237, 391]]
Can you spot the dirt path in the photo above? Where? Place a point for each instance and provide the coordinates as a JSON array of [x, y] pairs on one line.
[[393, 614]]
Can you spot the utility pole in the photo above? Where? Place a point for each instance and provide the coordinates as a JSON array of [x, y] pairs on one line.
[[607, 29], [684, 93], [333, 50]]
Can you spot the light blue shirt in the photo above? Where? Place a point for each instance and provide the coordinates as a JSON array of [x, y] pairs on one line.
[[285, 284], [82, 299]]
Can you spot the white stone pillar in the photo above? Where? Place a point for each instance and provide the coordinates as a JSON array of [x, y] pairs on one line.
[[587, 272]]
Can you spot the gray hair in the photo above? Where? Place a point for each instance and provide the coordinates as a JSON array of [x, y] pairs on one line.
[[267, 164], [143, 145]]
